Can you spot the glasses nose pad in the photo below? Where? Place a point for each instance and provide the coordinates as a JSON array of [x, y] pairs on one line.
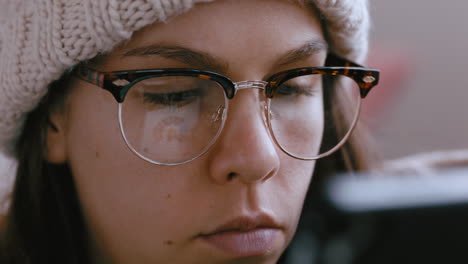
[[266, 114]]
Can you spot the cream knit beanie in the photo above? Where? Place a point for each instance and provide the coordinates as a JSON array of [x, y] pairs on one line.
[[40, 39]]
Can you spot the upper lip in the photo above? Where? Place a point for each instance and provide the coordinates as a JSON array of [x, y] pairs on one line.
[[246, 223]]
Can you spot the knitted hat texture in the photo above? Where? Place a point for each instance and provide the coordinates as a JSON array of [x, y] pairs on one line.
[[40, 39]]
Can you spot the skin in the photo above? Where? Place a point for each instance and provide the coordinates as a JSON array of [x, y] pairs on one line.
[[138, 212]]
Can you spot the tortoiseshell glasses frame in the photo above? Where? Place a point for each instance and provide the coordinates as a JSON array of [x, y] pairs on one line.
[[118, 83]]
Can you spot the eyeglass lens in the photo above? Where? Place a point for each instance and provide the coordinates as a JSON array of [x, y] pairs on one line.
[[173, 119], [311, 114]]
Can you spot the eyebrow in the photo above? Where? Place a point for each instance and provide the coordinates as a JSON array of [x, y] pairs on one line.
[[187, 56], [209, 62], [308, 49]]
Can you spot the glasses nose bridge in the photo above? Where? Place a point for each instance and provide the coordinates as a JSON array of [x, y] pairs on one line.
[[250, 84], [257, 84], [260, 85]]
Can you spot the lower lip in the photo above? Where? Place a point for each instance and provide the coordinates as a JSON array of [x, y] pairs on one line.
[[251, 243]]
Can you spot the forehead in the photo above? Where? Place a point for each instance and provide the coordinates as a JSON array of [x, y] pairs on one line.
[[237, 31]]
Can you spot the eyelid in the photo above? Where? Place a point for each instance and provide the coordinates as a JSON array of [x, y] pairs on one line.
[[163, 84], [298, 89], [196, 91], [168, 98]]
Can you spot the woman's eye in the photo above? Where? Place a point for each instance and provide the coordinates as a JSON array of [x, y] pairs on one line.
[[287, 89], [179, 99]]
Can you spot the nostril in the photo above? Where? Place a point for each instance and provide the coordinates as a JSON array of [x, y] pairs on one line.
[[231, 176]]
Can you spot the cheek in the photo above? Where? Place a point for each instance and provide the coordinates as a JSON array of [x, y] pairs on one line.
[[125, 200], [132, 207], [289, 189], [295, 177]]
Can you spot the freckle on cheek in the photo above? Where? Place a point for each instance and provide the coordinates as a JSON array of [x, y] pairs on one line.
[[98, 154], [168, 242], [168, 196]]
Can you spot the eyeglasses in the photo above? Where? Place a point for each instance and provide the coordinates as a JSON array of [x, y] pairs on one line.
[[174, 116]]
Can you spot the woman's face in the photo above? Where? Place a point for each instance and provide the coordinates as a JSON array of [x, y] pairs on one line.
[[238, 203]]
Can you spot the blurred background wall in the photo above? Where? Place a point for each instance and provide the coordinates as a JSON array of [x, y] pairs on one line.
[[421, 47]]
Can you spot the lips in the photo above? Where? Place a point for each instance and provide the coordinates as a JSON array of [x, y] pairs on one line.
[[245, 236]]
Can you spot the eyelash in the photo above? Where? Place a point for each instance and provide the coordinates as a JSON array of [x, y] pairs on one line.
[[293, 89], [175, 98]]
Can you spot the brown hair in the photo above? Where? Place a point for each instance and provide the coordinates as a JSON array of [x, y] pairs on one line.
[[44, 224]]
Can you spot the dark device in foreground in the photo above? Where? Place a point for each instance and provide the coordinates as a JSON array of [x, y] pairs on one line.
[[398, 218], [386, 218]]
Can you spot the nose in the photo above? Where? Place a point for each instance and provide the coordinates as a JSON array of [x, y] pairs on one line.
[[245, 150]]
